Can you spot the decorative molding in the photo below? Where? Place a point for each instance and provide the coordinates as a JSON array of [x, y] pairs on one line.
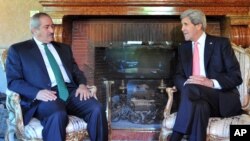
[[58, 33], [239, 19], [237, 11], [240, 35], [59, 8], [185, 3]]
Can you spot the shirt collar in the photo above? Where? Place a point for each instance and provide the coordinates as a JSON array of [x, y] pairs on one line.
[[202, 38], [37, 41]]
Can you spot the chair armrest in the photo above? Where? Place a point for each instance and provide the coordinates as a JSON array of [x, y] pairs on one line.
[[170, 91], [246, 104], [15, 119]]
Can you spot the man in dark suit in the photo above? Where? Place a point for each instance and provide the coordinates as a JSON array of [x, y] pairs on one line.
[[30, 74], [206, 80]]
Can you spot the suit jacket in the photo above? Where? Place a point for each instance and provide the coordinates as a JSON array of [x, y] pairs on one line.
[[220, 64], [27, 74]]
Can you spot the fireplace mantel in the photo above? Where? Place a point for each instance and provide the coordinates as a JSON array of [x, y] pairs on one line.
[[236, 12], [59, 8]]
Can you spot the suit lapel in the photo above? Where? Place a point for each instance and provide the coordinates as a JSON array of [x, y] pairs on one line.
[[188, 58], [38, 56], [209, 46], [60, 52], [62, 56]]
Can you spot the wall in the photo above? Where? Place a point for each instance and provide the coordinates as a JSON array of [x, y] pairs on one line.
[[14, 25], [14, 20]]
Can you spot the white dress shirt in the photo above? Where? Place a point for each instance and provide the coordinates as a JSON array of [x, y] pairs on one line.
[[201, 44], [46, 61]]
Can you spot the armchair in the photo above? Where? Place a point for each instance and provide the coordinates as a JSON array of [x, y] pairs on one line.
[[76, 129], [218, 128]]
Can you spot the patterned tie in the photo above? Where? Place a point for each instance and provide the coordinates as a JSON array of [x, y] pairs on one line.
[[62, 89], [196, 59]]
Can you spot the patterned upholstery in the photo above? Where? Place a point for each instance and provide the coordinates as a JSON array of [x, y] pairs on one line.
[[34, 128], [3, 58], [218, 128], [76, 128]]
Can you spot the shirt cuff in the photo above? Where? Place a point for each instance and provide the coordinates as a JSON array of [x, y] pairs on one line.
[[216, 84]]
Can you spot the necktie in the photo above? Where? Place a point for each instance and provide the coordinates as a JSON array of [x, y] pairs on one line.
[[196, 59], [62, 89]]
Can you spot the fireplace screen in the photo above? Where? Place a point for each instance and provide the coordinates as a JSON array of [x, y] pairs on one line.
[[137, 104], [139, 73], [135, 59]]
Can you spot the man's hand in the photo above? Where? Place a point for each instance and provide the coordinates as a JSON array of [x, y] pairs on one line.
[[200, 80], [83, 92], [46, 95]]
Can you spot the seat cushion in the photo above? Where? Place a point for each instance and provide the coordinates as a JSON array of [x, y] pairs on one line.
[[217, 127], [34, 128], [220, 127]]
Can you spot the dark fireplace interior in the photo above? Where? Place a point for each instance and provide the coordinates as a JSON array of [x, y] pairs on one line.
[[135, 60], [137, 54], [137, 69]]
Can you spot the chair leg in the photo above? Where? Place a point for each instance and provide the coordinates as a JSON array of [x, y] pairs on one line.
[[11, 130]]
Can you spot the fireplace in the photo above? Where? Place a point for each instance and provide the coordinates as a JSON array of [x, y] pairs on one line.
[[139, 71], [130, 51], [93, 36]]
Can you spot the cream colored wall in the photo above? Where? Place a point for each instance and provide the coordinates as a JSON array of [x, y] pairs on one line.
[[14, 20]]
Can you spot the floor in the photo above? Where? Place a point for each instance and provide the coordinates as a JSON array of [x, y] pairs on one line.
[[123, 135], [134, 135]]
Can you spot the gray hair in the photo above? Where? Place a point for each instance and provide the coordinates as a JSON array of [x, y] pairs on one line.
[[196, 17], [35, 20]]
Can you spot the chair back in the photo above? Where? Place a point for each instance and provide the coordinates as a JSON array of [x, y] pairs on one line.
[[3, 58], [243, 56]]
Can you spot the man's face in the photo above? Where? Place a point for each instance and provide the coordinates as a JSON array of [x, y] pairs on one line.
[[190, 31], [45, 33]]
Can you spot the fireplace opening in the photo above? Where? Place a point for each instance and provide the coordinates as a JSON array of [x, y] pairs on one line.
[[135, 59], [139, 70]]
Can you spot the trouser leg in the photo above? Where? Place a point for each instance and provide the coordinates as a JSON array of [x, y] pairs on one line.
[[190, 97], [93, 113], [54, 119], [201, 117]]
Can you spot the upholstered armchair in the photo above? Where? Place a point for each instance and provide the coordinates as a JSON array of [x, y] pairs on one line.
[[76, 129], [218, 128]]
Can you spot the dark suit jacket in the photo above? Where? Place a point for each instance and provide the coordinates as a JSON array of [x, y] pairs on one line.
[[220, 64], [27, 74]]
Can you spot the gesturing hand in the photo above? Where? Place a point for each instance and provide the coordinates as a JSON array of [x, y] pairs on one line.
[[200, 80], [46, 95]]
